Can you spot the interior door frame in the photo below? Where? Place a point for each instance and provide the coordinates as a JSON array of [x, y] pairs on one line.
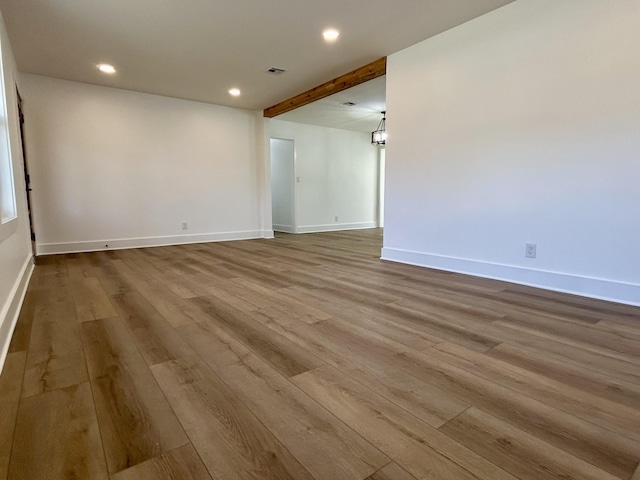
[[27, 177]]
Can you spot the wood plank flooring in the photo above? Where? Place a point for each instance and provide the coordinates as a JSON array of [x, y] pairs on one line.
[[306, 357]]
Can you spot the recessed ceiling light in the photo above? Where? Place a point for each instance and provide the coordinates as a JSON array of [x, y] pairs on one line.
[[234, 92], [106, 68], [331, 35]]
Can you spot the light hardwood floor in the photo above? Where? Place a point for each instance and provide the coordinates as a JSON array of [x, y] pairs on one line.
[[306, 357]]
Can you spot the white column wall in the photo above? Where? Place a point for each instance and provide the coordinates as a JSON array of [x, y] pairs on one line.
[[521, 127]]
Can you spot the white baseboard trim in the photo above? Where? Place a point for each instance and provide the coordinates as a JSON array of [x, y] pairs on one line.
[[283, 228], [610, 290], [123, 243], [334, 227], [11, 310]]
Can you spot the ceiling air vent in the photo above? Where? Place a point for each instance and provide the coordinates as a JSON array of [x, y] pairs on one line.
[[348, 104], [275, 71]]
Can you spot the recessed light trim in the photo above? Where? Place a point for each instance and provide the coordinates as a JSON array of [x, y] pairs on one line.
[[234, 92], [106, 68], [331, 34]]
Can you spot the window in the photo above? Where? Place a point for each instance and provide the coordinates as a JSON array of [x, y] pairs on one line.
[[8, 210]]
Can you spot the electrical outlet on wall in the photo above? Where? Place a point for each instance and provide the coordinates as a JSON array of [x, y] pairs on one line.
[[336, 218], [185, 226], [530, 250]]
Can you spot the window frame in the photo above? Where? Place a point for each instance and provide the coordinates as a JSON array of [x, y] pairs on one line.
[[8, 223]]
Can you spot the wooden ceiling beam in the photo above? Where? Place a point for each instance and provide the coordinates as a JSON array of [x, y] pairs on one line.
[[356, 77]]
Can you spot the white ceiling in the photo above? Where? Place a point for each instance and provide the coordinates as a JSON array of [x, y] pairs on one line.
[[364, 116], [198, 49]]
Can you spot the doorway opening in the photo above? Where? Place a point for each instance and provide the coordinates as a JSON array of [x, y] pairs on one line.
[[338, 172], [283, 187]]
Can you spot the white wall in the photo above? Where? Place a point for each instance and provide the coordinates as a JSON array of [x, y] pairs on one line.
[[126, 169], [519, 127], [15, 245], [338, 175]]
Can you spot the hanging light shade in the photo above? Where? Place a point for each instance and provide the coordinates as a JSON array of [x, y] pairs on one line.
[[379, 135]]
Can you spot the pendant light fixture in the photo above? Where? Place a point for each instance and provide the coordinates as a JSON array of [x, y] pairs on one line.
[[379, 136]]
